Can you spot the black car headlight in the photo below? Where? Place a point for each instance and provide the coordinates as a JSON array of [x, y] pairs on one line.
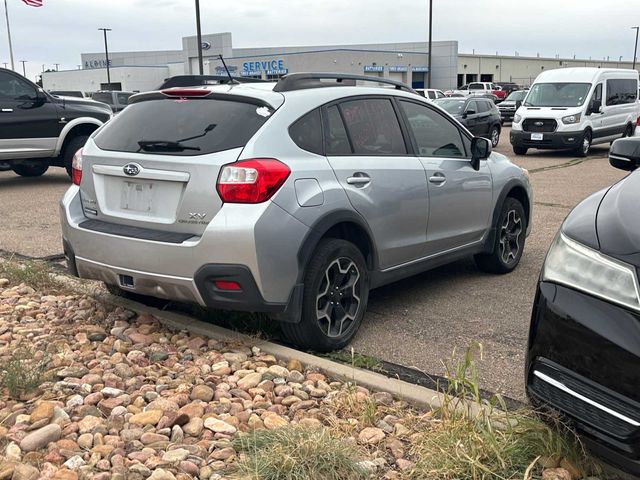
[[582, 268]]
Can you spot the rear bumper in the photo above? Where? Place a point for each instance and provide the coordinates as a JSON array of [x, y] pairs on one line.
[[228, 250], [583, 361], [550, 140]]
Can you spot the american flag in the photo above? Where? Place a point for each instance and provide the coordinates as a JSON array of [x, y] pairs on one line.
[[33, 3]]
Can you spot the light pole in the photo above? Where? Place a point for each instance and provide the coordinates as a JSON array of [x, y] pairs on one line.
[[635, 51], [24, 70], [57, 65], [430, 38], [106, 55], [199, 34]]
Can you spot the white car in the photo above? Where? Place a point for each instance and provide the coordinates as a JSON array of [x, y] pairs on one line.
[[574, 108], [477, 88], [430, 93]]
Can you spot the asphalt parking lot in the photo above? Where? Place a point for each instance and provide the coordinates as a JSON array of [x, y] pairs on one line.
[[416, 322]]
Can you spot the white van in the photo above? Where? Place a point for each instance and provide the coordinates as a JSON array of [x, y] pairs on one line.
[[574, 108]]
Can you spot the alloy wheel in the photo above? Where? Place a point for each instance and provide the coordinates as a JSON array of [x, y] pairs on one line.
[[338, 297], [495, 137], [586, 143], [510, 232]]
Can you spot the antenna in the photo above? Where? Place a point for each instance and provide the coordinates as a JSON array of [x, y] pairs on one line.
[[231, 80]]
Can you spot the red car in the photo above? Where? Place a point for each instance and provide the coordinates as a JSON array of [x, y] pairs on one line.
[[499, 92]]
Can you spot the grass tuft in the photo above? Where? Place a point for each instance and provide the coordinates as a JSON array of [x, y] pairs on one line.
[[488, 442], [33, 273], [296, 453], [357, 360], [23, 373]]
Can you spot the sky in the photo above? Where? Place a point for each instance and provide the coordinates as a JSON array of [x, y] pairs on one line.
[[62, 29]]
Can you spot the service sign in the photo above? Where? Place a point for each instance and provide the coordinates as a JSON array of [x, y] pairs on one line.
[[249, 68], [419, 69], [398, 68]]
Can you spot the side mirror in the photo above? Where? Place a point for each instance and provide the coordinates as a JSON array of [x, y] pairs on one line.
[[469, 112], [625, 154], [595, 107], [518, 103], [480, 149]]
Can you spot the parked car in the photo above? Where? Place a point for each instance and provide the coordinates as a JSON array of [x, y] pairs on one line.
[[574, 108], [236, 197], [508, 87], [68, 93], [584, 341], [430, 93], [509, 106], [196, 80], [39, 130], [499, 93], [474, 88], [479, 115], [116, 99]]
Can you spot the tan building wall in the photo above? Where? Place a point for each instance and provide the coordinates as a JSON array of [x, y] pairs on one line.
[[521, 70]]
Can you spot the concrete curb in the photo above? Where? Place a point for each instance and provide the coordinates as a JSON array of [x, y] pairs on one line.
[[421, 397]]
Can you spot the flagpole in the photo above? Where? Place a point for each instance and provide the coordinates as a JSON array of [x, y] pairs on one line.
[[6, 12]]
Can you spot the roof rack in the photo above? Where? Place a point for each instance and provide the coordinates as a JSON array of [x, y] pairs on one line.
[[303, 81]]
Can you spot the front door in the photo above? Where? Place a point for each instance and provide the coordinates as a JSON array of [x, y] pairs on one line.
[[387, 186], [472, 118], [29, 123], [460, 197]]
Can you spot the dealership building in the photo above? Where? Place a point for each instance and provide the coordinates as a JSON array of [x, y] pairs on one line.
[[404, 61]]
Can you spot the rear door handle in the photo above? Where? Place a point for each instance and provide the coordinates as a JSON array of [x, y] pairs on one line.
[[437, 178], [7, 110], [359, 180]]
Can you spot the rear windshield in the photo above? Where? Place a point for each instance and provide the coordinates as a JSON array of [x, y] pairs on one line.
[[103, 97], [183, 127]]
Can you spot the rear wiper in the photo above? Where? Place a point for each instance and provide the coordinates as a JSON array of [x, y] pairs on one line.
[[163, 146]]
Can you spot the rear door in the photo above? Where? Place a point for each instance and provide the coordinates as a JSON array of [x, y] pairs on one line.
[[471, 117], [29, 124], [460, 198], [156, 164], [620, 103], [483, 114], [384, 182]]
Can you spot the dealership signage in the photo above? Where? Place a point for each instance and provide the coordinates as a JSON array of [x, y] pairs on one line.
[[373, 68], [252, 68], [398, 68], [206, 45], [419, 69], [97, 63]]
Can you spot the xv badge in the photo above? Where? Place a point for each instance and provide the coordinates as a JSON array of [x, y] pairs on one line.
[[197, 216]]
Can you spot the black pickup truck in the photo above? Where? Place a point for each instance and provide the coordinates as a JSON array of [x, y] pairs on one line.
[[39, 130]]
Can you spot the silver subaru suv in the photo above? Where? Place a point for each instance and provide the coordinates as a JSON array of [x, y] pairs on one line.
[[293, 198]]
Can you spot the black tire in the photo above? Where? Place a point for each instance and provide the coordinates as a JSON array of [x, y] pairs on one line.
[[511, 232], [628, 132], [520, 150], [75, 144], [31, 170], [585, 144], [333, 262], [494, 136]]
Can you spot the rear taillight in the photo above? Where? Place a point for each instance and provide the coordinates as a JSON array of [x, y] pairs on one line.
[[227, 285], [76, 168], [638, 122], [251, 181]]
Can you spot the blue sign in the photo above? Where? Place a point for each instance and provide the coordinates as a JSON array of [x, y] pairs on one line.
[[398, 68], [257, 67], [419, 69], [206, 45], [282, 71], [232, 68], [373, 68]]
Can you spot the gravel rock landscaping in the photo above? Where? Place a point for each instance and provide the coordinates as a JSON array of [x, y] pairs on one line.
[[93, 391]]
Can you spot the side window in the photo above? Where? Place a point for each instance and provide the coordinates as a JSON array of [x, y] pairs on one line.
[[621, 92], [435, 135], [336, 138], [373, 127], [482, 106], [472, 107], [597, 93], [306, 132], [476, 86], [439, 94], [432, 94], [13, 88]]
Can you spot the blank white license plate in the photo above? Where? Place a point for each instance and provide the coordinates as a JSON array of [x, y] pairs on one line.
[[137, 197], [536, 136]]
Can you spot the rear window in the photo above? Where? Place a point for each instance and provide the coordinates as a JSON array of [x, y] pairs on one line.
[[103, 97], [183, 127], [306, 132]]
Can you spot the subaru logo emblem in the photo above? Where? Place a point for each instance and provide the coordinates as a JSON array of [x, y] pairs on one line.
[[206, 45], [538, 124], [131, 169]]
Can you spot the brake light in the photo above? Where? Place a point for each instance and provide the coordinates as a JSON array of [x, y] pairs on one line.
[[251, 181], [76, 168], [186, 92], [227, 285], [638, 122]]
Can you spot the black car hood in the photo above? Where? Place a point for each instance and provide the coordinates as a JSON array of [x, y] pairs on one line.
[[618, 220]]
